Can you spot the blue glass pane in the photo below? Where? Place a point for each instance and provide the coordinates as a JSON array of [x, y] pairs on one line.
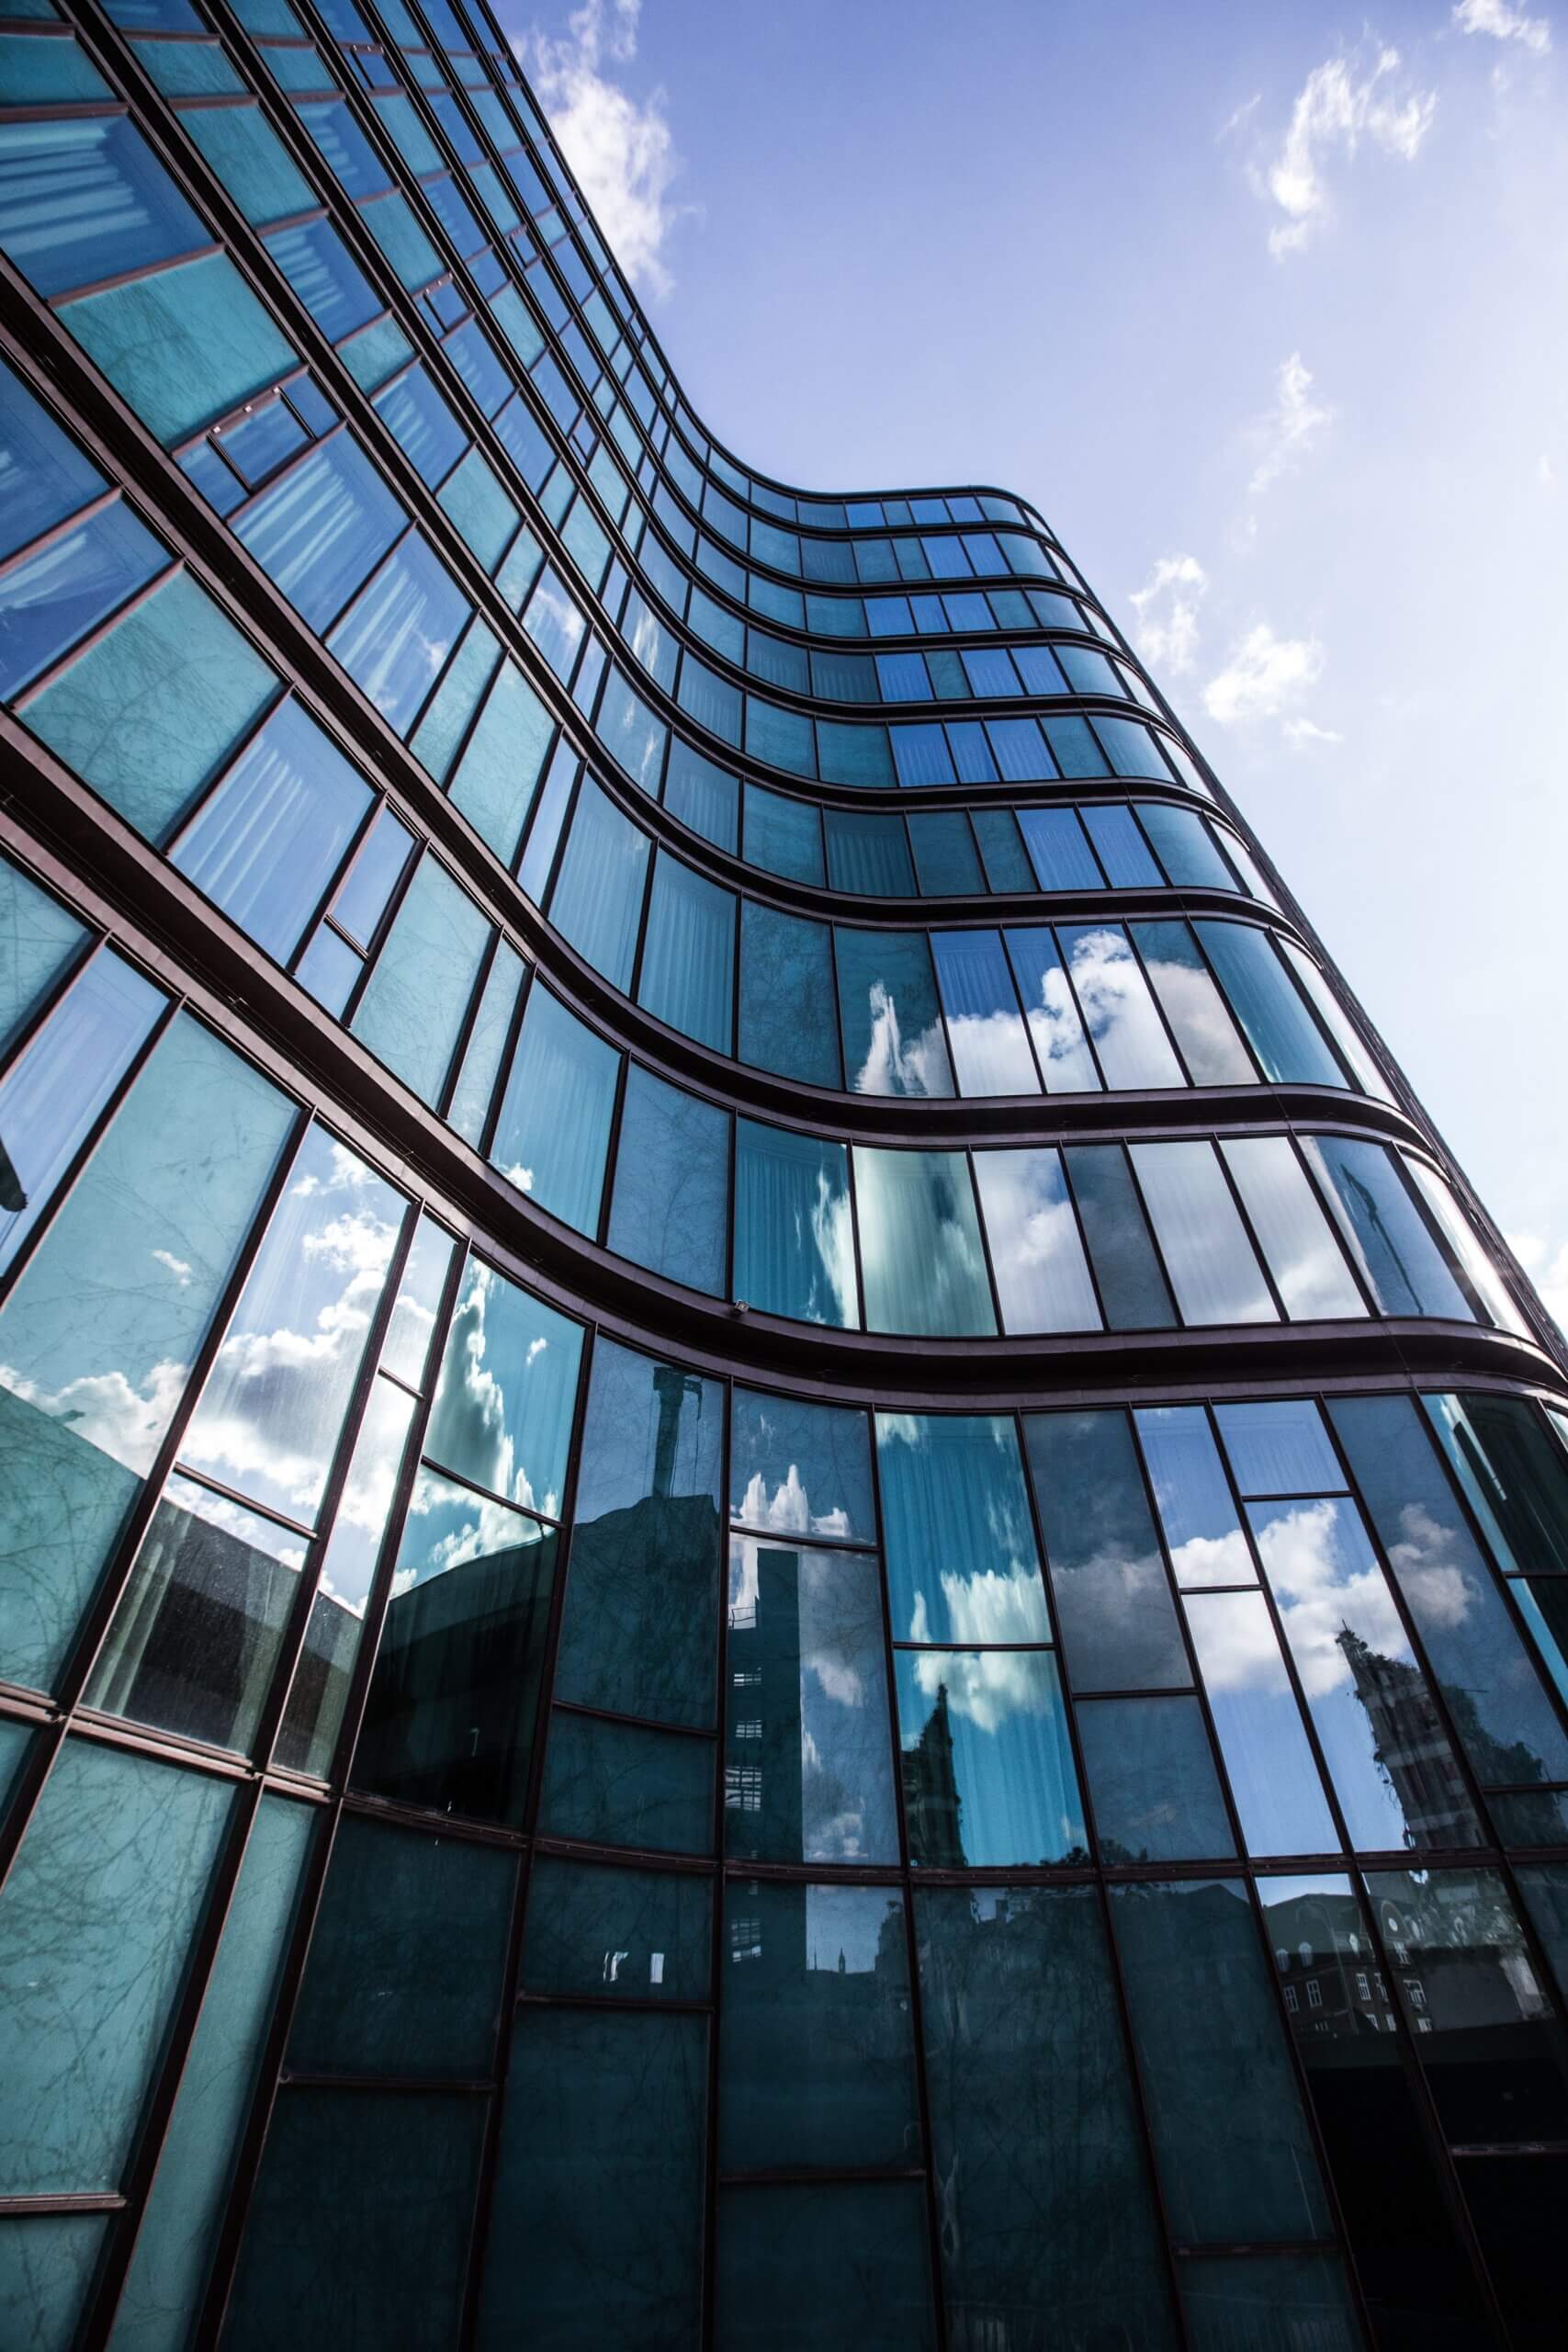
[[250, 161], [1268, 1007], [688, 963], [784, 835], [1387, 1236], [924, 1268], [523, 1357], [317, 265], [37, 937], [704, 796], [894, 1039], [87, 199], [787, 1018], [553, 1130], [987, 1765], [800, 1469], [397, 637], [597, 900], [670, 1209], [321, 529], [794, 1243], [961, 1561], [1118, 1620], [52, 597], [1152, 1781], [43, 475]]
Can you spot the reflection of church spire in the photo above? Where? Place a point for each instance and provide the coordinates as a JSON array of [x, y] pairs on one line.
[[672, 1387], [932, 1802], [1375, 1223], [1408, 1741]]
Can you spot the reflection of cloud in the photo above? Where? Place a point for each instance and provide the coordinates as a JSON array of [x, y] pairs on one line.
[[1437, 1584], [1058, 1036], [833, 1236], [788, 1509], [1236, 1646], [986, 1687], [891, 1067], [991, 1054], [989, 1607], [1214, 1559], [103, 1409], [469, 1423], [180, 1267], [482, 1528], [830, 1589], [1324, 1576]]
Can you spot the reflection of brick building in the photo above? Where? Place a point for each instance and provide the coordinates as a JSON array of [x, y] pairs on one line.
[[1329, 1977], [1409, 1743], [932, 1803]]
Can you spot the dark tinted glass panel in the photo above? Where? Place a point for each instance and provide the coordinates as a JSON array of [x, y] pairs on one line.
[[1049, 2217], [625, 1784], [788, 1020], [1515, 1474], [794, 1243], [1276, 1023], [1269, 2302], [1131, 1287], [1118, 1620], [617, 1934], [816, 2068], [987, 1771], [842, 2264], [670, 1208], [1387, 1236], [1152, 1783]]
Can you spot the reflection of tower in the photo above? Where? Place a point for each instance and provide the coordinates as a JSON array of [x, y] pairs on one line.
[[1373, 1217], [765, 1734], [672, 1387], [932, 1802], [1409, 1743]]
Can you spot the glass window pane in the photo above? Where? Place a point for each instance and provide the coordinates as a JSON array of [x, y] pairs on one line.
[[800, 1469], [1193, 1005], [468, 1109], [809, 1772], [688, 961], [924, 1268], [423, 980], [1131, 1287], [1280, 1448], [869, 855], [986, 1767], [1042, 1278], [43, 475], [553, 1128], [1484, 1278], [793, 1245], [1274, 1021], [504, 1405], [848, 2256], [1212, 1269], [1201, 1531], [1273, 1779], [1231, 2138], [1384, 1231], [98, 1335], [1051, 1012], [639, 1632], [1185, 847], [893, 1032], [407, 1954], [816, 2067], [1152, 1781], [1515, 1476], [1397, 1780], [597, 900], [119, 1852], [1059, 850], [319, 531], [55, 595], [398, 635], [990, 1047], [1268, 2302], [1118, 1621], [788, 1020], [617, 1934], [87, 201], [622, 1784], [784, 835], [1330, 1011], [961, 1561], [1118, 1010], [597, 2227], [38, 938], [1303, 1257], [670, 1209], [1047, 2203]]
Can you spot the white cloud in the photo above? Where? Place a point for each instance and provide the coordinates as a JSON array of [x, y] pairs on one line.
[[1294, 424], [622, 153], [1341, 104], [1548, 1270], [1166, 629], [1298, 731], [1545, 472], [1264, 674], [1495, 16], [1244, 113]]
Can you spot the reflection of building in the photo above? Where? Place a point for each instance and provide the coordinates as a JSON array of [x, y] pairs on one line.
[[1410, 1744], [932, 1802], [764, 1781]]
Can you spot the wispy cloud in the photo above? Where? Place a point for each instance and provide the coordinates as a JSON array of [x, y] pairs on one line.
[[1166, 629], [1342, 103], [1263, 676], [1298, 731], [1545, 472], [1502, 22], [1295, 422], [1244, 113], [1548, 1270], [622, 153]]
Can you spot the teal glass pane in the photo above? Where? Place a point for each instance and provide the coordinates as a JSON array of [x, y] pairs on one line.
[[1268, 2302], [688, 958], [1114, 1603], [96, 1924], [869, 855], [1049, 2204], [85, 200], [617, 1934], [794, 1239], [148, 713], [1268, 1006], [701, 794], [817, 2064], [421, 984], [182, 348], [640, 1632], [470, 1106], [961, 1561], [893, 1040], [784, 835], [407, 1955], [444, 725], [597, 900], [920, 1254], [267, 844], [800, 1469], [240, 147], [853, 754], [807, 2263], [788, 1023], [47, 2263], [481, 510], [98, 1336], [987, 1765], [168, 2271], [596, 2229], [1152, 1783], [187, 69], [36, 72], [507, 1391], [782, 737], [37, 937], [499, 772], [669, 1207], [315, 261], [625, 1784], [553, 1128], [398, 635], [945, 854], [381, 2259], [808, 1762], [1389, 1239]]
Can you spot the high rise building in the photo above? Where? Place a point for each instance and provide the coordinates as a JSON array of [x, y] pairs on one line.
[[779, 1561]]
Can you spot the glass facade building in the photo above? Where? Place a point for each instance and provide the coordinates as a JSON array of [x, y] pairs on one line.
[[781, 1563]]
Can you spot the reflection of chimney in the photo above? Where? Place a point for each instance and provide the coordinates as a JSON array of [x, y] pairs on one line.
[[671, 1387]]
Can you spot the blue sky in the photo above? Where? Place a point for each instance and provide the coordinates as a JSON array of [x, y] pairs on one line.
[[1265, 308]]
